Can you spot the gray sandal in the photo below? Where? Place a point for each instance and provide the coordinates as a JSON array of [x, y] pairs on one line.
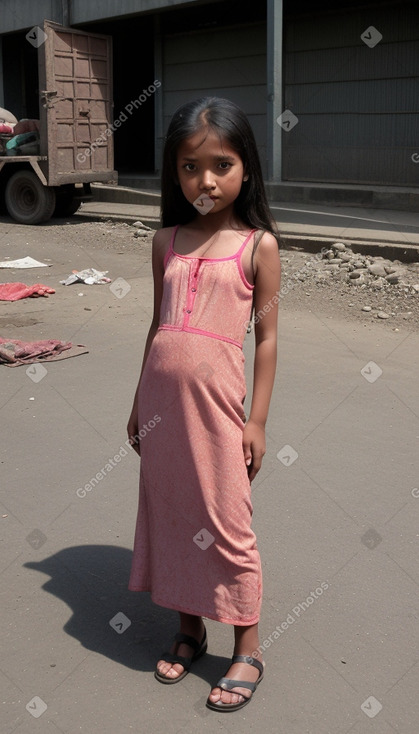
[[199, 648], [227, 684]]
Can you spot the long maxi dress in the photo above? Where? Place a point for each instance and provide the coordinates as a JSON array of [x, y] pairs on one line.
[[194, 548]]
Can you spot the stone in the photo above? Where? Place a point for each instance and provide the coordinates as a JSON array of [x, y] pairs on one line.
[[345, 257], [330, 254], [377, 269], [335, 261], [367, 308], [141, 233], [382, 315], [354, 274], [357, 281], [332, 267], [392, 279], [415, 288], [389, 269], [339, 246]]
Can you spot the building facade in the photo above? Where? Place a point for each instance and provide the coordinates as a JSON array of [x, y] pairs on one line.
[[331, 89]]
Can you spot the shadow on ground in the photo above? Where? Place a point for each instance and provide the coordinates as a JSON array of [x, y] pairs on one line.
[[92, 580]]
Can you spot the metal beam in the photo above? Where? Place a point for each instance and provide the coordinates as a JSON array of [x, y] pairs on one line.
[[274, 30]]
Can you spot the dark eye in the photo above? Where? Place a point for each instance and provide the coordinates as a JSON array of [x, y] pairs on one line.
[[189, 167], [225, 165]]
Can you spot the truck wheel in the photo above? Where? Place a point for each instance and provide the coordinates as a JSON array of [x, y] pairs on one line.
[[27, 200], [66, 205]]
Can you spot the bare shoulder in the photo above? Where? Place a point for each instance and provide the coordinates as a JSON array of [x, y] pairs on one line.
[[268, 244], [161, 242], [267, 251]]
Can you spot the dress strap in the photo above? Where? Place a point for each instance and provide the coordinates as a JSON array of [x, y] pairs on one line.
[[252, 232], [172, 241]]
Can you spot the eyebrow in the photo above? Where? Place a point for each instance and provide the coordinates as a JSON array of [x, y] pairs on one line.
[[215, 157]]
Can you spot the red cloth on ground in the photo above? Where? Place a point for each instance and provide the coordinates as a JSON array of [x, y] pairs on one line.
[[15, 291], [14, 351]]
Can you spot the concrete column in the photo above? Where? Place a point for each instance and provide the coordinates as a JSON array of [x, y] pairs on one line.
[[1, 74], [274, 88], [158, 97]]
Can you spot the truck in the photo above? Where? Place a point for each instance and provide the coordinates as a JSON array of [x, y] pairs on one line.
[[75, 127]]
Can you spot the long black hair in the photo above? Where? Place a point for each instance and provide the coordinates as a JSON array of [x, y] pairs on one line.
[[231, 124]]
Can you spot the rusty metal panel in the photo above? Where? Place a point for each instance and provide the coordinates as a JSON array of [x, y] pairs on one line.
[[75, 73]]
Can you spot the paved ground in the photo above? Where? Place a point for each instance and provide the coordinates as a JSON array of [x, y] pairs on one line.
[[336, 517]]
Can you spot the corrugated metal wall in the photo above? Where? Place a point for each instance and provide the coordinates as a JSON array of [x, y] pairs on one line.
[[357, 106], [230, 63]]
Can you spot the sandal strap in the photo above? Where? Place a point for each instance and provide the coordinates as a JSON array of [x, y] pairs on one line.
[[249, 660], [188, 640], [170, 657], [228, 683]]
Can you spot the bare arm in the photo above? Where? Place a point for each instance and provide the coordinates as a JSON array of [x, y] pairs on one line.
[[267, 283], [159, 248]]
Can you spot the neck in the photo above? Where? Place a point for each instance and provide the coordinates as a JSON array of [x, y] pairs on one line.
[[225, 219]]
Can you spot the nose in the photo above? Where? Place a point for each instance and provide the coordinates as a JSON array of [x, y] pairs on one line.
[[207, 180]]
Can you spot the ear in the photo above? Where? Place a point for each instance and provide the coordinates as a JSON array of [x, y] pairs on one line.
[[246, 177]]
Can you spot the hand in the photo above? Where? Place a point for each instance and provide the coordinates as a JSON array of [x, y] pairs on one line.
[[254, 447], [132, 429]]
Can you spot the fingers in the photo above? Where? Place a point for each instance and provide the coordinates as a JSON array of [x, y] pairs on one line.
[[136, 446], [253, 460], [135, 443], [133, 436]]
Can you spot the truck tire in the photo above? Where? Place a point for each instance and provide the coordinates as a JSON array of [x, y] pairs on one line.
[[66, 205], [27, 200]]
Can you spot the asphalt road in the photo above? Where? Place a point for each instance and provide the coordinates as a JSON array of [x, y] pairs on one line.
[[336, 509]]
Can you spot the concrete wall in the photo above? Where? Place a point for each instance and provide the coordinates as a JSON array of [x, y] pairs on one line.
[[230, 62], [82, 11], [16, 15], [22, 14], [357, 105]]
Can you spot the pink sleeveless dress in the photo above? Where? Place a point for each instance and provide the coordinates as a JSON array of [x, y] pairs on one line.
[[194, 548]]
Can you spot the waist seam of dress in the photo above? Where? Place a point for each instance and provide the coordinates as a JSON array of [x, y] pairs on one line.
[[201, 332]]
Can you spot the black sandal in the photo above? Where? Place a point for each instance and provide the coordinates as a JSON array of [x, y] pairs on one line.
[[199, 648], [226, 684]]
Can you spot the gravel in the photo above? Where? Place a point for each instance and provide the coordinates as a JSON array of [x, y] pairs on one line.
[[335, 282], [363, 288]]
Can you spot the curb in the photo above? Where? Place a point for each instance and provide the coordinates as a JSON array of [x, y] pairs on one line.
[[388, 250]]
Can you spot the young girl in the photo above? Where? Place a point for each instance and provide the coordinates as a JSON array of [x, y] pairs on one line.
[[216, 256]]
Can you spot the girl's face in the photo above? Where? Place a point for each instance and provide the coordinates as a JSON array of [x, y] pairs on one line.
[[209, 166]]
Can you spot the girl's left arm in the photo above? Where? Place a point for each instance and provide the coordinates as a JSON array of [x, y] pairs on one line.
[[266, 298]]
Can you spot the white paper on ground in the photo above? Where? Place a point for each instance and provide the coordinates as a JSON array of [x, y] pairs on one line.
[[24, 262]]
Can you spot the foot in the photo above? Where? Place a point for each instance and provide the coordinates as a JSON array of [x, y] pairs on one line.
[[237, 671], [174, 670]]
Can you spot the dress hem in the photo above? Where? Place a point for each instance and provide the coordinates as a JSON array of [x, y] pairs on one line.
[[207, 615]]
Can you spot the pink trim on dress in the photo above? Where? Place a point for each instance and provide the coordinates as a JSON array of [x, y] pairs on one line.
[[210, 259], [194, 330], [170, 250]]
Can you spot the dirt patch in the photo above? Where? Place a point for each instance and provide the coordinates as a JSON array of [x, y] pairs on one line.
[[312, 282]]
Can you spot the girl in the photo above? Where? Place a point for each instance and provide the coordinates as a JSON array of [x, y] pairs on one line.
[[216, 256]]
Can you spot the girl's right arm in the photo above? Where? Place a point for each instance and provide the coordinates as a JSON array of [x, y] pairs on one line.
[[159, 248]]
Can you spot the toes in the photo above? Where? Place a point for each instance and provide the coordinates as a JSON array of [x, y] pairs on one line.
[[231, 697], [225, 696], [215, 694], [168, 670]]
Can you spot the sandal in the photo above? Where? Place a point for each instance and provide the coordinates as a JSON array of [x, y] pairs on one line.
[[199, 648], [228, 683]]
